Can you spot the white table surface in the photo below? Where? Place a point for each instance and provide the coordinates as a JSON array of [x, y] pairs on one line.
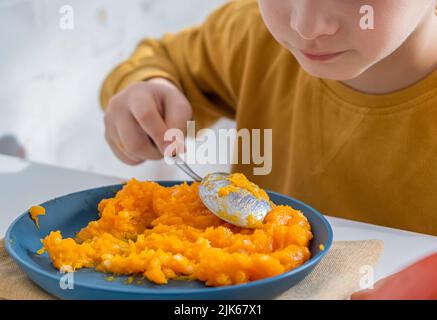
[[23, 184]]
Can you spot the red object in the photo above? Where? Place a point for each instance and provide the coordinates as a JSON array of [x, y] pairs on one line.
[[416, 282]]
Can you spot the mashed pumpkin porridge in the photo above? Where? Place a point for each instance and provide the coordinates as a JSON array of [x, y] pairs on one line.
[[163, 233]]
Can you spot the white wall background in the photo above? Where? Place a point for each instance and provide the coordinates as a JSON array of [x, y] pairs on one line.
[[50, 78]]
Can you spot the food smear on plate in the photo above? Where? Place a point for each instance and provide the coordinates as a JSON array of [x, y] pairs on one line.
[[36, 211], [162, 233]]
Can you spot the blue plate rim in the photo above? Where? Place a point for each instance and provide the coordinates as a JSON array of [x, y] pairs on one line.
[[313, 260]]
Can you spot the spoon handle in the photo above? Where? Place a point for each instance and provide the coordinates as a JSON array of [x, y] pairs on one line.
[[185, 168]]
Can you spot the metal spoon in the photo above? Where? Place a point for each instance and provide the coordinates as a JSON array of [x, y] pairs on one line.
[[236, 207]]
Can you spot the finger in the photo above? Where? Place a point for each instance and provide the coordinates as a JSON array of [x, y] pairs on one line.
[[117, 150], [113, 140], [177, 111], [134, 140], [151, 121]]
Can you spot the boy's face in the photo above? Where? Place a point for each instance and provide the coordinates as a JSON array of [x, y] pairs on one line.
[[327, 39]]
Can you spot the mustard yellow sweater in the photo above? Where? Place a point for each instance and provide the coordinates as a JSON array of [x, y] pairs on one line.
[[370, 158]]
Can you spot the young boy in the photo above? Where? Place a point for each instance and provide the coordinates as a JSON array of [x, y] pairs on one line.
[[353, 109]]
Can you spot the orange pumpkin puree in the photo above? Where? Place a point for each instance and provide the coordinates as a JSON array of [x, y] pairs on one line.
[[239, 181], [163, 233], [36, 211]]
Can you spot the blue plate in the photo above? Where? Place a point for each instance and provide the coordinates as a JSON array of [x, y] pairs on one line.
[[72, 212]]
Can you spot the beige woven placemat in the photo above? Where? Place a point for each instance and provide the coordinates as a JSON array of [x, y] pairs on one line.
[[337, 276]]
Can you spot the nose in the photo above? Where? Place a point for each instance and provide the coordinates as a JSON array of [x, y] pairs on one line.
[[312, 19]]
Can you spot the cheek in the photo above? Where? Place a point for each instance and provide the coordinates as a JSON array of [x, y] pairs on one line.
[[393, 24], [374, 45]]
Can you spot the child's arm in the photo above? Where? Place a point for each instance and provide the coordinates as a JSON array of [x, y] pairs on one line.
[[195, 73]]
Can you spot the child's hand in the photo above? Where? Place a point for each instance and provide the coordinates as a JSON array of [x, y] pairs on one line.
[[138, 116]]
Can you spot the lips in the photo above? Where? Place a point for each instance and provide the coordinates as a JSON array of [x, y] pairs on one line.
[[321, 56]]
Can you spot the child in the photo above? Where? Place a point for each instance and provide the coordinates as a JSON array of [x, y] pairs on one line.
[[353, 109]]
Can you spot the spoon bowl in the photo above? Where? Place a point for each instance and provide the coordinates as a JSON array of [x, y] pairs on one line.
[[238, 207]]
